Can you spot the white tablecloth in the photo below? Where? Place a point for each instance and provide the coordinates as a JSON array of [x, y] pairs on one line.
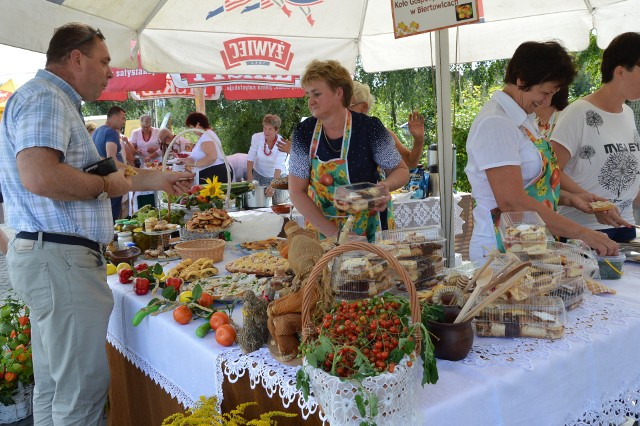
[[588, 377]]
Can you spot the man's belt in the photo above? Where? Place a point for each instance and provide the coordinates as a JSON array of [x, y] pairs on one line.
[[62, 239]]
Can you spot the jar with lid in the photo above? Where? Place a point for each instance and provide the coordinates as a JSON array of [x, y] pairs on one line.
[[130, 226], [119, 224], [123, 238]]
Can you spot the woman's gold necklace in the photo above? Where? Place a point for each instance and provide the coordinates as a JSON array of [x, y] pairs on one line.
[[329, 144]]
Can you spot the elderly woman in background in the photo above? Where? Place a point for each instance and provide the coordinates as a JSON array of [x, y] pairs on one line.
[[596, 141], [145, 140], [362, 101], [337, 147], [511, 166], [207, 156], [266, 161]]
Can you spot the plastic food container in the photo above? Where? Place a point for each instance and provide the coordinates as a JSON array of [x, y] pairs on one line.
[[358, 197], [611, 267], [359, 275], [523, 232], [542, 318]]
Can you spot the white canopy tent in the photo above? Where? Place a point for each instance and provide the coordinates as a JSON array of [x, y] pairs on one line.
[[282, 36]]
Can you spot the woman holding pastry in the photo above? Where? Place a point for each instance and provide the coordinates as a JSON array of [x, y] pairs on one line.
[[265, 160], [596, 141], [511, 166], [337, 147], [207, 156]]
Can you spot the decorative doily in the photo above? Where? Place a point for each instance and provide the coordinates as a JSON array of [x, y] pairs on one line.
[[274, 377], [426, 212], [613, 409], [396, 393], [594, 316]]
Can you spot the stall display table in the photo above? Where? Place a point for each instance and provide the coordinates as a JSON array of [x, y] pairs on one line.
[[588, 377]]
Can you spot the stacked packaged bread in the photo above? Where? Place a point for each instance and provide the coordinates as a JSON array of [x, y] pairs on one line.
[[419, 251], [359, 275], [523, 232], [570, 265], [538, 317]]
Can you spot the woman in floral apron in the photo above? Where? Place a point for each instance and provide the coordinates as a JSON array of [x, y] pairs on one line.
[[337, 147], [511, 166]]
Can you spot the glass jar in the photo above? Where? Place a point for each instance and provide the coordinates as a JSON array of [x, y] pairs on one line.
[[130, 226], [119, 224], [144, 242], [123, 238]]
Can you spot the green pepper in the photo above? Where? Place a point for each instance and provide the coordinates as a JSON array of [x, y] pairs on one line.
[[139, 316], [203, 329]]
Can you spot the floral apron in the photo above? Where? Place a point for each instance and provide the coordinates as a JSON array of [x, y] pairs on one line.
[[367, 222], [545, 188]]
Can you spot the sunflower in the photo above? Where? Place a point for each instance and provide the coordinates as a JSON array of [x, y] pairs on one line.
[[212, 188]]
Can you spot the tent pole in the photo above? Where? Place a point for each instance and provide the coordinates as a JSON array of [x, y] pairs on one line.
[[199, 95], [445, 145]]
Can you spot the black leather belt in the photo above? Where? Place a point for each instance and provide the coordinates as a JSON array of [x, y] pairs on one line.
[[62, 239]]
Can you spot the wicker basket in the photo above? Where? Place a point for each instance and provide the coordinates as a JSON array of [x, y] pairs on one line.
[[21, 409], [395, 391], [197, 249], [309, 306]]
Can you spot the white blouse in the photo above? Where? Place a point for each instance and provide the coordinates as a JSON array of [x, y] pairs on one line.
[[266, 161]]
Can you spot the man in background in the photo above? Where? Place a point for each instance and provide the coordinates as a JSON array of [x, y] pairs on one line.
[[107, 141]]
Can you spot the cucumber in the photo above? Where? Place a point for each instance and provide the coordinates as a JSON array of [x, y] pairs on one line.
[[203, 329]]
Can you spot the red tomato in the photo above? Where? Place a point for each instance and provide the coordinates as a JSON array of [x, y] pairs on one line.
[[10, 377], [218, 319], [23, 320], [225, 335], [326, 179], [174, 282], [182, 315], [205, 300]]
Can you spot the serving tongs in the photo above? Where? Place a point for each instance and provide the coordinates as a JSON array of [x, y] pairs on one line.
[[501, 284]]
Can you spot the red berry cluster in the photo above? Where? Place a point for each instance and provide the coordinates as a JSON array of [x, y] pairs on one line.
[[370, 331]]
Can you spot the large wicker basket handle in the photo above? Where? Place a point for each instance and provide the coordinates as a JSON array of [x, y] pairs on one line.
[[313, 285]]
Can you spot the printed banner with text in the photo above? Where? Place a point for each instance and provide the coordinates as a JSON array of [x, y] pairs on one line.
[[411, 17]]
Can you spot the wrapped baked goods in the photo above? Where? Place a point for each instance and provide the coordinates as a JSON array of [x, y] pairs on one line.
[[420, 251], [358, 197], [543, 318], [523, 232]]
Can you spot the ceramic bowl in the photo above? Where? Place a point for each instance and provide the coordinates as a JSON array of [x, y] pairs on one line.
[[281, 208], [128, 255]]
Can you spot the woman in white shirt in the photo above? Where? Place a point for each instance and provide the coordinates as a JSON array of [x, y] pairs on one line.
[[145, 140], [597, 142], [511, 166], [207, 156], [266, 161]]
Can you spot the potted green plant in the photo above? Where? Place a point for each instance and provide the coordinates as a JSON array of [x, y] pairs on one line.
[[16, 365]]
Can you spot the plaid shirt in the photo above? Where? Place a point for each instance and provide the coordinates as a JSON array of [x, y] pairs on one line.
[[635, 106], [45, 112]]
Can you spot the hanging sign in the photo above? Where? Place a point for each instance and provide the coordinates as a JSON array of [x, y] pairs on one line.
[[411, 17]]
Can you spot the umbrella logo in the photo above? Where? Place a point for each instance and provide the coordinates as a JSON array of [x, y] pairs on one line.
[[4, 95], [256, 51], [303, 6]]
